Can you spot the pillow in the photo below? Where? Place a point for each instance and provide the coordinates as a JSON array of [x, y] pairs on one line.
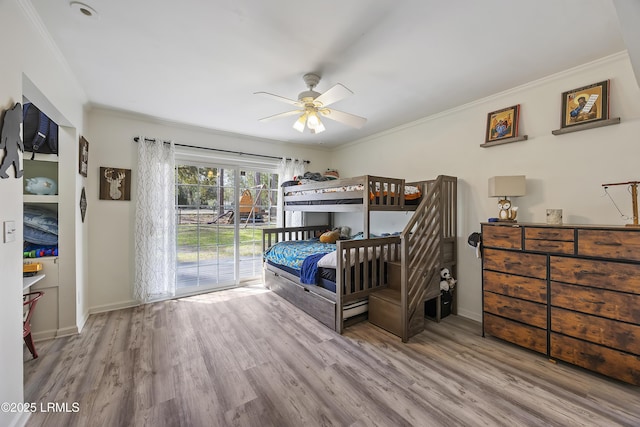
[[330, 260], [41, 219], [39, 237], [330, 236]]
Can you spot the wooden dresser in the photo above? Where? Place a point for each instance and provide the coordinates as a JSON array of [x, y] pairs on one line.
[[571, 292]]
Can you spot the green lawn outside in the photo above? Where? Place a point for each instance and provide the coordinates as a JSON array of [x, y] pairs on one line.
[[217, 240]]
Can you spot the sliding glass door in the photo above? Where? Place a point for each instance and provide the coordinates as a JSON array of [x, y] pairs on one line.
[[220, 213]]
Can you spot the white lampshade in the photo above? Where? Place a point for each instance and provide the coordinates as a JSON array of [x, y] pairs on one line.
[[505, 186], [299, 124]]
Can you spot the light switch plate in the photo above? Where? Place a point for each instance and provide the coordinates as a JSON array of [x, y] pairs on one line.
[[9, 231]]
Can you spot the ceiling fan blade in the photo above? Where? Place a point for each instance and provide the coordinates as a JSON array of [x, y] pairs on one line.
[[278, 98], [281, 115], [336, 93], [342, 117]]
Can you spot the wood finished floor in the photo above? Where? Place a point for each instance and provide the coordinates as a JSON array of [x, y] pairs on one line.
[[245, 357]]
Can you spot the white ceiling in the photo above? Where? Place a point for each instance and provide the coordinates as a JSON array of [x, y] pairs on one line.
[[199, 62]]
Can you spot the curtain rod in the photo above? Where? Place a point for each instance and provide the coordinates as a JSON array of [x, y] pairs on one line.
[[240, 153]]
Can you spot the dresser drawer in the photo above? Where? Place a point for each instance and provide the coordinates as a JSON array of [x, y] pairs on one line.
[[496, 236], [524, 264], [550, 246], [516, 286], [517, 333], [527, 312], [610, 333], [618, 244], [614, 363], [611, 275], [540, 233], [600, 302]]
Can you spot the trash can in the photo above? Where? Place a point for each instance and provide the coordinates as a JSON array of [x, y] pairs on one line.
[[445, 305]]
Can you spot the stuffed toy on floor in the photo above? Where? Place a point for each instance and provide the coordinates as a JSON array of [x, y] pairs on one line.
[[447, 282]]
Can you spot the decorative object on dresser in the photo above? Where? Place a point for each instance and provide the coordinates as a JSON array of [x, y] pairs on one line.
[[505, 187], [554, 216], [567, 291], [633, 189]]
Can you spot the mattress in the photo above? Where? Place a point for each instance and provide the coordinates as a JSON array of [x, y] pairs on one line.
[[328, 282]]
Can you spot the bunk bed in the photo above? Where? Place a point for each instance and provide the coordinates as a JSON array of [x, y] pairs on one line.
[[404, 267]]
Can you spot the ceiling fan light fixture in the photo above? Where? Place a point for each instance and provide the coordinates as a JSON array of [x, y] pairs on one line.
[[313, 120], [299, 124]]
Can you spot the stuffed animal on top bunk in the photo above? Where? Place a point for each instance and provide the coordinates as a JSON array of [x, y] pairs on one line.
[[447, 282], [338, 233]]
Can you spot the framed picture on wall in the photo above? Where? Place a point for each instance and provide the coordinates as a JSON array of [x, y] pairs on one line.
[[83, 204], [585, 104], [503, 123], [115, 184], [83, 165]]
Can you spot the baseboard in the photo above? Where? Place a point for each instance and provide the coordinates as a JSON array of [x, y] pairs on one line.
[[44, 335], [111, 307], [65, 332], [470, 315], [20, 420]]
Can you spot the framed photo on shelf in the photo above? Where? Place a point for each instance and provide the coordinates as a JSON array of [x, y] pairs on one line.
[[115, 184], [83, 165], [585, 104], [503, 124]]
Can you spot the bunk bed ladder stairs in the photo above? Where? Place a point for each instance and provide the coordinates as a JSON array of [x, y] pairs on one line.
[[400, 307]]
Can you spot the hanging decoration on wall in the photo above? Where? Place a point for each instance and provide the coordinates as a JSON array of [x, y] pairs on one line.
[[503, 123], [83, 204], [115, 184], [10, 141], [83, 166], [585, 104]]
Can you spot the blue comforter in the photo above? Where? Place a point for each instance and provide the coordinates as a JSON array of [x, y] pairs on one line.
[[293, 253]]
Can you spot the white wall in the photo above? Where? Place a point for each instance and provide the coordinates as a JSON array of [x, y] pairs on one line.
[[111, 265], [24, 49], [563, 172]]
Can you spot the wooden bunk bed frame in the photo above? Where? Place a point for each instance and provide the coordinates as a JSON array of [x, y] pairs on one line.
[[427, 243]]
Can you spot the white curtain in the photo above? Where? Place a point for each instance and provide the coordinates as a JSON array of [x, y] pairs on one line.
[[287, 170], [155, 228]]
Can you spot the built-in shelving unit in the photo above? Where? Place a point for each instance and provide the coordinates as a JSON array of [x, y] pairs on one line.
[[45, 321]]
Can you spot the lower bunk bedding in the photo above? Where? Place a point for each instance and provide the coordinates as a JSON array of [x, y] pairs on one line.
[[305, 272]]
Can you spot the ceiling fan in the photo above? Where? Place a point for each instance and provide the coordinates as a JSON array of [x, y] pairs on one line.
[[312, 105]]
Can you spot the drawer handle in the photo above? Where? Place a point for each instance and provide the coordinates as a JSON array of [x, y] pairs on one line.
[[608, 243], [591, 302], [593, 273], [501, 236]]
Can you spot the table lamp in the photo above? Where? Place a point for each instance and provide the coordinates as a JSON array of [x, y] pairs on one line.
[[505, 187]]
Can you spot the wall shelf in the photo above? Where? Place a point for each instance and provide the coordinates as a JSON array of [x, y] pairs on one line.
[[585, 126], [505, 141], [37, 198]]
